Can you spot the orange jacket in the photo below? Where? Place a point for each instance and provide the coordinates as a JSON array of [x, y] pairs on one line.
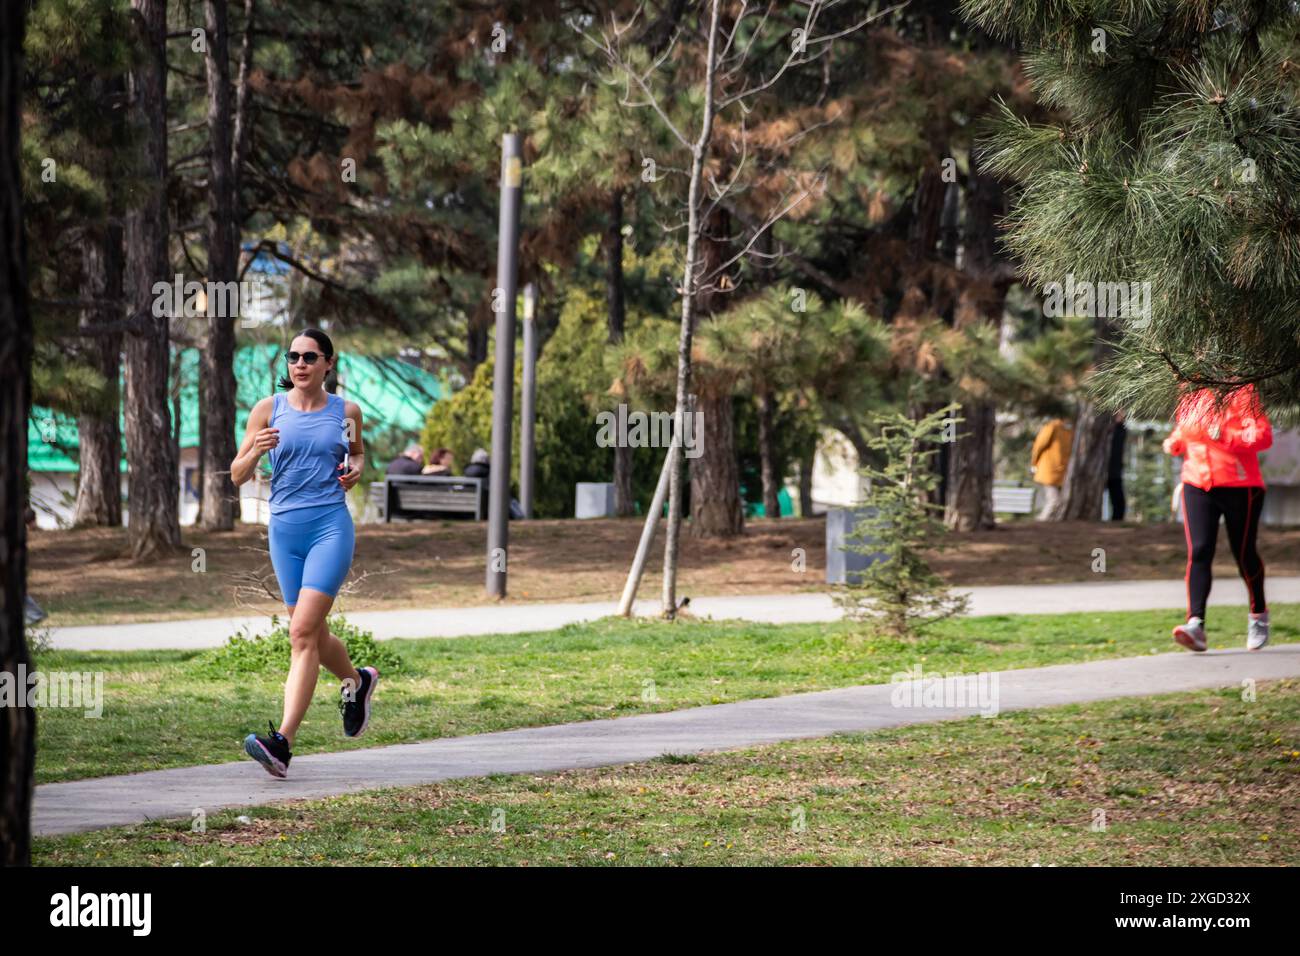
[[1221, 445], [1051, 453]]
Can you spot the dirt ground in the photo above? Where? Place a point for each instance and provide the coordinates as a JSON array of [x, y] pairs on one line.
[[81, 578]]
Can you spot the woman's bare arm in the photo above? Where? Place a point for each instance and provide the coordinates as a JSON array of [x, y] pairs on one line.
[[356, 462], [259, 438]]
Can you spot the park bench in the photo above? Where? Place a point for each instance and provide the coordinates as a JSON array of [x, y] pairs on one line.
[[1013, 499], [429, 496]]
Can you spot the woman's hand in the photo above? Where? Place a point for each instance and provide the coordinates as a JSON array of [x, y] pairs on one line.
[[1175, 446], [351, 469], [265, 440]]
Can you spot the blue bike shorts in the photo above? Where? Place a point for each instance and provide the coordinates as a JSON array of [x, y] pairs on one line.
[[311, 548]]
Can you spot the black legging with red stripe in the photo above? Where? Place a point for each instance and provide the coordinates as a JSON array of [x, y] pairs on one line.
[[1240, 509]]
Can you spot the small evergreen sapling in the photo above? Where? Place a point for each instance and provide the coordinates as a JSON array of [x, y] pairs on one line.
[[899, 593]]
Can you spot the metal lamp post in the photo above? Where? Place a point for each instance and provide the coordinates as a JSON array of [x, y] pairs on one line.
[[512, 175]]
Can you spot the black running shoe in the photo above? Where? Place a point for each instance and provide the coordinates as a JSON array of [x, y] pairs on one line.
[[271, 751], [354, 702]]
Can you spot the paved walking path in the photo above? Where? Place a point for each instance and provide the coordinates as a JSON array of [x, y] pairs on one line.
[[1100, 595], [134, 798]]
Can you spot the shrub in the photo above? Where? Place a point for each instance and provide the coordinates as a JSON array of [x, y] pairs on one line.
[[260, 653]]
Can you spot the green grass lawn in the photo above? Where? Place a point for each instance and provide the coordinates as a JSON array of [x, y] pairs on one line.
[[160, 712], [1201, 778]]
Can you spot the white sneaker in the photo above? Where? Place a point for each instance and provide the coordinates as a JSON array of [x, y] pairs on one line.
[[1191, 635], [1257, 631]]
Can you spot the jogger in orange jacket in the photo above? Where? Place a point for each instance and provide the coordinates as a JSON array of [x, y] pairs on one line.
[[1220, 445]]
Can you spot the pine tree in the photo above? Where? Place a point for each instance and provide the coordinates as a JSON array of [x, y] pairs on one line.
[[899, 593], [1174, 168], [74, 143]]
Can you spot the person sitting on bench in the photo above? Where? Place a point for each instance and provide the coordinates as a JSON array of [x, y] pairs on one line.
[[441, 462], [408, 462], [479, 466]]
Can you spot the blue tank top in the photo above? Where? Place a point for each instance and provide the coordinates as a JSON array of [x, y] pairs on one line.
[[305, 465]]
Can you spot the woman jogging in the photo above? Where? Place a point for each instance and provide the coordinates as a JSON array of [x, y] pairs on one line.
[[1221, 478], [314, 439]]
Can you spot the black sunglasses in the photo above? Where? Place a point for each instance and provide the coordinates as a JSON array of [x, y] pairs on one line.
[[308, 357]]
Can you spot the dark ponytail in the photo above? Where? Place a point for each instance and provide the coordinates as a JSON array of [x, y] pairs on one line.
[[321, 339]]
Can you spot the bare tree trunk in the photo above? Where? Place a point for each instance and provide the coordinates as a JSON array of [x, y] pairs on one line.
[[476, 341], [240, 139], [716, 510], [970, 474], [969, 500], [154, 524], [767, 457], [217, 375], [624, 494], [624, 504], [931, 238], [765, 264], [719, 512], [928, 203], [698, 152], [243, 110], [99, 435], [17, 724], [1085, 475]]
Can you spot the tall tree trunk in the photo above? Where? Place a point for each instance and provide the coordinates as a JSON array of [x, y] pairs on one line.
[[969, 499], [767, 456], [1085, 475], [624, 504], [17, 724], [716, 510], [926, 226], [99, 435], [932, 238], [218, 359], [624, 496], [949, 221], [154, 524], [476, 341], [243, 111], [969, 504]]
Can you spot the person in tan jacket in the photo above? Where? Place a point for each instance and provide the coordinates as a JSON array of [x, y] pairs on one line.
[[1048, 460]]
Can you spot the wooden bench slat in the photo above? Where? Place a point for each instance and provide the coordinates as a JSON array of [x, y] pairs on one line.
[[1013, 500]]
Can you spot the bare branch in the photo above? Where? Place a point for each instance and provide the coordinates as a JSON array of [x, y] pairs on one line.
[[609, 45], [771, 220], [794, 59]]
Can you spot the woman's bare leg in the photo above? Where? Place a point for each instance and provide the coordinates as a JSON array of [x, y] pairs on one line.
[[334, 656], [306, 620]]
